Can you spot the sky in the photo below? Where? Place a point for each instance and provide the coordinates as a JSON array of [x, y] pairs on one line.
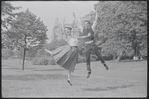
[[48, 11]]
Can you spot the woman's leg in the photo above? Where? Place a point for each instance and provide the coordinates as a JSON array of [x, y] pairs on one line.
[[69, 77]]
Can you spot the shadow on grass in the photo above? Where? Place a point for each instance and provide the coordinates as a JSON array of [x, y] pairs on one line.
[[34, 69], [18, 68], [131, 60], [107, 88], [51, 70], [29, 77]]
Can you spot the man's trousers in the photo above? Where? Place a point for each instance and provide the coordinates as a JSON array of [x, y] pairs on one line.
[[88, 49]]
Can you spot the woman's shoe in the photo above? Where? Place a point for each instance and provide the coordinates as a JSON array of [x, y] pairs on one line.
[[107, 68], [69, 82], [48, 51], [88, 75]]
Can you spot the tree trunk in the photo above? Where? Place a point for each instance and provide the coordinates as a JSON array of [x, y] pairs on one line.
[[24, 52], [121, 53], [136, 51], [114, 56], [135, 46], [118, 58]]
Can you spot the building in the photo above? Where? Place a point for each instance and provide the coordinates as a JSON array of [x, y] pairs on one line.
[[58, 30]]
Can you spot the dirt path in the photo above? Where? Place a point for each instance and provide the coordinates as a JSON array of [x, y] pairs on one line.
[[124, 79]]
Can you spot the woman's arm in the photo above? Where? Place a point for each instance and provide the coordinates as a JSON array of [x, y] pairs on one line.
[[63, 28], [77, 23], [65, 37]]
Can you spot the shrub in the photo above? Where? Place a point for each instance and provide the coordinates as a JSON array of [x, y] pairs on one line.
[[108, 57], [81, 59], [126, 57], [55, 44], [43, 61], [43, 58], [7, 53]]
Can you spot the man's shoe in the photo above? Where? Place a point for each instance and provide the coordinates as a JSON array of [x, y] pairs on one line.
[[107, 68], [88, 75], [69, 82]]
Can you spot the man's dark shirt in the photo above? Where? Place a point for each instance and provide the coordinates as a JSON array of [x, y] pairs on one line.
[[86, 31]]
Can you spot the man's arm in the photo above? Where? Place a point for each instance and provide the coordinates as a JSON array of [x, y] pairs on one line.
[[64, 33], [85, 36]]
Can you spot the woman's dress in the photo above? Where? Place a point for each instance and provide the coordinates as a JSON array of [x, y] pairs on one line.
[[67, 56]]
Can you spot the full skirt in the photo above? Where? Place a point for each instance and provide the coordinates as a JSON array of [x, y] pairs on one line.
[[66, 57]]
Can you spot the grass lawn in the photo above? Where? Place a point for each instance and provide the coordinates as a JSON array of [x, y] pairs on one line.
[[123, 79]]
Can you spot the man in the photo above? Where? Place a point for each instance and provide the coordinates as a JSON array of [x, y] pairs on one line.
[[90, 45]]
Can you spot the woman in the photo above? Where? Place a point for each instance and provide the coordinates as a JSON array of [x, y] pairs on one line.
[[67, 56]]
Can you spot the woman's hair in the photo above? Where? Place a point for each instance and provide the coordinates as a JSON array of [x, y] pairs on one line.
[[69, 28]]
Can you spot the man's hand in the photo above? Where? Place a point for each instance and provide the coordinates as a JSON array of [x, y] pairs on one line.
[[89, 34]]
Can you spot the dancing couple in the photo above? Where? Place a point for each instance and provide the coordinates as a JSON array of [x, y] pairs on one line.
[[67, 56]]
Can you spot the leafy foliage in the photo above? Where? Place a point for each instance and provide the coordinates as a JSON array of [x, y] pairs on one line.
[[122, 25], [7, 13], [44, 61], [55, 44], [26, 30], [7, 53], [7, 16], [90, 16]]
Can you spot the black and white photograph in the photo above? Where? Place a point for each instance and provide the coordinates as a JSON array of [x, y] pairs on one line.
[[74, 49]]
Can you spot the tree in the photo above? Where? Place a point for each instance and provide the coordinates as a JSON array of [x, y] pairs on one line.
[[27, 31], [122, 26], [7, 53], [90, 17], [7, 16], [7, 13], [134, 18]]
